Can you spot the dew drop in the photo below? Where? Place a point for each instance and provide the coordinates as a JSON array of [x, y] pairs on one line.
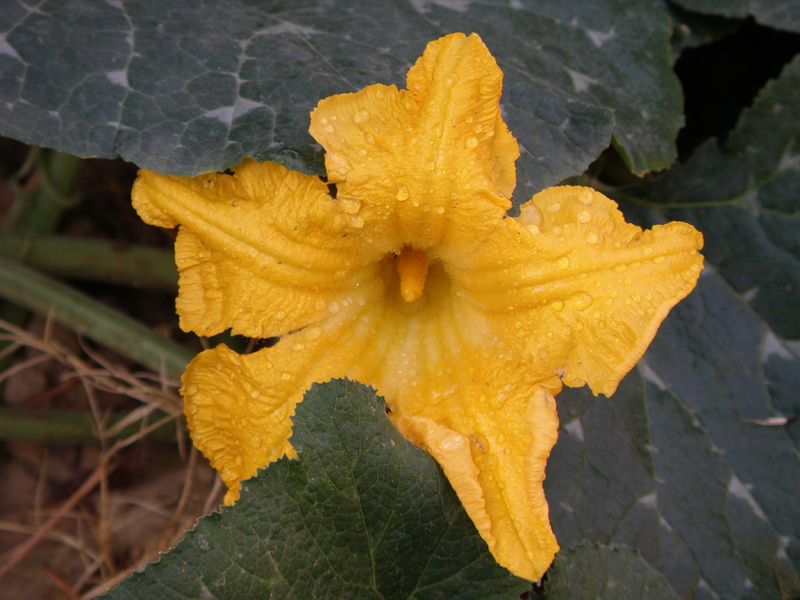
[[254, 394], [357, 221], [648, 251], [582, 301], [478, 128], [562, 263], [658, 260], [258, 441], [534, 229], [584, 216], [415, 203], [298, 347], [554, 207], [451, 79], [191, 390], [286, 376], [439, 210], [328, 128], [351, 207], [591, 238], [323, 120], [280, 314], [471, 142], [370, 138], [558, 305], [333, 307], [585, 197], [360, 116], [314, 333], [402, 194]]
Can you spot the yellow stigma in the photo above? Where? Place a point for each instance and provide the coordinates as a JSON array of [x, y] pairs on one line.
[[412, 265]]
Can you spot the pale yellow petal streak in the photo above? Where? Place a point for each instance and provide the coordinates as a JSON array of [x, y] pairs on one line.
[[263, 251], [410, 158]]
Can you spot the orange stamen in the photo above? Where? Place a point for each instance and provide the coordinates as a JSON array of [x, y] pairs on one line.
[[412, 265]]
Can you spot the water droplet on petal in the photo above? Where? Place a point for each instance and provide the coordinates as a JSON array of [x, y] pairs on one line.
[[360, 116], [582, 301], [554, 207], [357, 221], [439, 210], [351, 207], [562, 263], [402, 194], [658, 259], [451, 79], [254, 394], [286, 376], [471, 142], [585, 197], [558, 305], [591, 238], [584, 216], [648, 251], [478, 128], [280, 314], [370, 138], [333, 307], [328, 128], [314, 333]]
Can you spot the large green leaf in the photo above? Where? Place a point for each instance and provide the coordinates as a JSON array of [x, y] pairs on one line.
[[185, 86], [781, 14], [595, 571], [673, 464], [360, 514]]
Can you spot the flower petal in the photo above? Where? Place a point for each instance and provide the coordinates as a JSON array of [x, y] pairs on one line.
[[476, 405], [491, 429], [239, 407], [411, 156], [263, 251], [592, 290]]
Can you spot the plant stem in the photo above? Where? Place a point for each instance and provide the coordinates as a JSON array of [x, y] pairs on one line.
[[83, 314], [41, 211], [63, 427], [93, 259]]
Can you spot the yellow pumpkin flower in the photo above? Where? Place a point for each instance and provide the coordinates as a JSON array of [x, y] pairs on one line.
[[413, 279]]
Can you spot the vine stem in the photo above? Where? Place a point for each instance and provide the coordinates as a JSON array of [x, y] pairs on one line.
[[113, 329]]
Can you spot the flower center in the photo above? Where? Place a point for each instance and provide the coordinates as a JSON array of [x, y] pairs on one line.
[[412, 266]]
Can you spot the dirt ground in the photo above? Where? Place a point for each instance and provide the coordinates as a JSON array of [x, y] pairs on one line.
[[80, 511]]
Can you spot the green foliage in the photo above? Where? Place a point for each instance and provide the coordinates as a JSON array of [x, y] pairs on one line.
[[781, 14], [594, 571], [360, 514], [672, 466], [199, 86]]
